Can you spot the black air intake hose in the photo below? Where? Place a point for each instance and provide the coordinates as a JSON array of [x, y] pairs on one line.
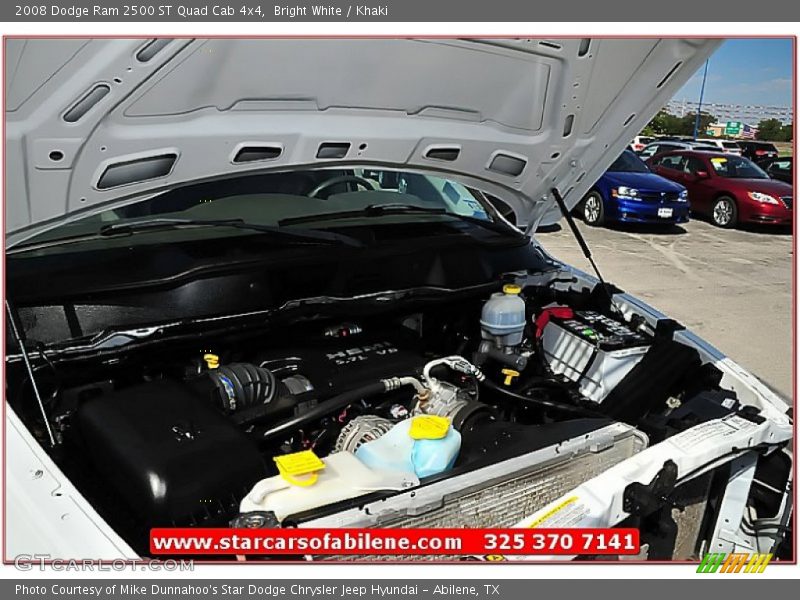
[[323, 409], [240, 386]]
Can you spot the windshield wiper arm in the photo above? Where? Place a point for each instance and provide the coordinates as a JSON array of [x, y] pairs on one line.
[[373, 210], [307, 236], [379, 210], [156, 223]]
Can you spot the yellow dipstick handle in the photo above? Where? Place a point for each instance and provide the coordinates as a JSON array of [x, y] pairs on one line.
[[510, 375]]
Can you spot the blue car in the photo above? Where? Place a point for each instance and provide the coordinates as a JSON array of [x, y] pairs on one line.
[[629, 192]]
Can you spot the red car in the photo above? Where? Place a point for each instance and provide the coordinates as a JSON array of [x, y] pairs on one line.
[[729, 189]]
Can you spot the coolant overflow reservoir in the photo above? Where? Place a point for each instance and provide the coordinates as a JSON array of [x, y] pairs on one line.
[[503, 316], [306, 482]]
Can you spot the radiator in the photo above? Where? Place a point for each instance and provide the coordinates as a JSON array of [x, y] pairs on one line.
[[498, 495]]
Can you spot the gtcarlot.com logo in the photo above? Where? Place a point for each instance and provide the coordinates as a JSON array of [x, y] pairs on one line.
[[42, 562], [736, 562]]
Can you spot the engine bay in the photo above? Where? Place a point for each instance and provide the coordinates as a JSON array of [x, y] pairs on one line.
[[309, 420]]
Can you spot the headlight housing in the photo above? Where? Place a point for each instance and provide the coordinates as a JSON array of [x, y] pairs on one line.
[[683, 196], [625, 192], [762, 198]]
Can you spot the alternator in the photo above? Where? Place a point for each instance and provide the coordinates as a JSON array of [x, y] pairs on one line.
[[362, 429]]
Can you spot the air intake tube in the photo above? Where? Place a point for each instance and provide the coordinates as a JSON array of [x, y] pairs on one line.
[[239, 386]]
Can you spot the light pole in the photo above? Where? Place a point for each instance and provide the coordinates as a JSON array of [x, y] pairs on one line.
[[700, 103]]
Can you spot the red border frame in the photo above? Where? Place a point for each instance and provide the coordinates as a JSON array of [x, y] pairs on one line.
[[792, 37]]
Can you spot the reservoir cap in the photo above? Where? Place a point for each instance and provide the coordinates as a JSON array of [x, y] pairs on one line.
[[429, 427]]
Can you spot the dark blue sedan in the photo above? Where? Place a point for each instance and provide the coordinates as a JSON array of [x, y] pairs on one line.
[[629, 192]]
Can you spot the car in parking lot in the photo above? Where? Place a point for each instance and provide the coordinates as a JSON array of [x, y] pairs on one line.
[[726, 146], [779, 168], [640, 141], [629, 192], [758, 150], [660, 147], [728, 189]]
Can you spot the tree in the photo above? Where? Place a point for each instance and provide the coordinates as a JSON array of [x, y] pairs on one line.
[[771, 130], [686, 123], [663, 123], [666, 124], [658, 124]]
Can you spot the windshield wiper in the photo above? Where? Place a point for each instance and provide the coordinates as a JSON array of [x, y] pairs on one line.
[[380, 210], [373, 210], [297, 236]]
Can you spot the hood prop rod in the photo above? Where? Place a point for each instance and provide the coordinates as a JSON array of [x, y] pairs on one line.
[[29, 368], [584, 246]]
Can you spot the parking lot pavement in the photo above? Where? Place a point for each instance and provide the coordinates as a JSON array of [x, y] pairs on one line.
[[732, 288]]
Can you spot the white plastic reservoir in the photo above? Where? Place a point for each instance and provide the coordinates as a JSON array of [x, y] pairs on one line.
[[344, 476], [503, 316]]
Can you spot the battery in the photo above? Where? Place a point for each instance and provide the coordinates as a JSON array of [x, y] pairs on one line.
[[593, 350]]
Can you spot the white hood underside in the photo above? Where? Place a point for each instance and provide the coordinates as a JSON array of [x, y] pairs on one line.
[[514, 117]]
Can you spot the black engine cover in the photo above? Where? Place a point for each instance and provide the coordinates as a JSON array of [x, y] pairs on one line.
[[171, 456], [334, 365]]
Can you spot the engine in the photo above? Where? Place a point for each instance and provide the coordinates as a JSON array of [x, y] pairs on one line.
[[322, 417], [185, 451]]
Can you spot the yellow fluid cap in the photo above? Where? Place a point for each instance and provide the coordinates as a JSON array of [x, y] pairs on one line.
[[512, 288], [429, 427], [299, 468], [212, 360], [510, 375]]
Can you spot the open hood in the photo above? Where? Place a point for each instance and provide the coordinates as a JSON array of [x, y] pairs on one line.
[[92, 124]]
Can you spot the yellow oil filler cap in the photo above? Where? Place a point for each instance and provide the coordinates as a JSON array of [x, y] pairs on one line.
[[299, 468], [212, 360], [512, 289]]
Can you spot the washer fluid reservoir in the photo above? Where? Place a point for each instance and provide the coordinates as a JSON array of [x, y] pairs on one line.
[[424, 445]]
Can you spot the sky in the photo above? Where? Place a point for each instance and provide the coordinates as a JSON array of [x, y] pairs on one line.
[[754, 71]]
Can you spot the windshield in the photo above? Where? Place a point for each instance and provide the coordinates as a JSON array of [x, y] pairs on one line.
[[628, 162], [730, 145], [276, 199], [736, 167]]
